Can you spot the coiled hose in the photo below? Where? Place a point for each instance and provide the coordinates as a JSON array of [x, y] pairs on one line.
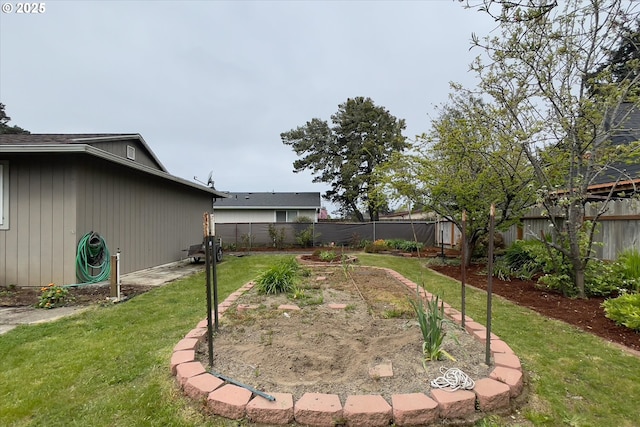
[[93, 262]]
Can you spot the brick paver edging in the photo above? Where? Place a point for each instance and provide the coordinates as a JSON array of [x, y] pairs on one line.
[[504, 383]]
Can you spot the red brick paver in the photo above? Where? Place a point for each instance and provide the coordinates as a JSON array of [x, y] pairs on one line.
[[491, 394], [277, 412], [414, 409], [367, 411], [318, 409], [229, 401]]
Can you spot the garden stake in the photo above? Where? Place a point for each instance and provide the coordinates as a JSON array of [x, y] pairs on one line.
[[463, 267], [207, 258], [239, 384], [492, 217]]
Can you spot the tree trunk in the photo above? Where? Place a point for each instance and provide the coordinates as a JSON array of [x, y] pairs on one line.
[[579, 280]]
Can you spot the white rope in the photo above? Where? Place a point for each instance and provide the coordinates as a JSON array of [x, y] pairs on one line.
[[453, 379]]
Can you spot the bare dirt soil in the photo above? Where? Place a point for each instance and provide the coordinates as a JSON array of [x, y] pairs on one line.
[[327, 350]]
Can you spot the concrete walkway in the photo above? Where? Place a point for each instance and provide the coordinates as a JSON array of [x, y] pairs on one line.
[[11, 317]]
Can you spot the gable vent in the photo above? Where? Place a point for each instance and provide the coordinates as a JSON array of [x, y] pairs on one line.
[[131, 152]]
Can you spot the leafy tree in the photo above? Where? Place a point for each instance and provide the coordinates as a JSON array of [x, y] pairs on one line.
[[345, 155], [465, 163], [539, 73], [4, 123]]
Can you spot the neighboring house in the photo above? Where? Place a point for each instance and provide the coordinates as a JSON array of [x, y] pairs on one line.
[[55, 188], [267, 207], [622, 177]]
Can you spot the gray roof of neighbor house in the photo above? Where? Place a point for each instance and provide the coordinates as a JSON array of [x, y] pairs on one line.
[[83, 143], [268, 200], [628, 173]]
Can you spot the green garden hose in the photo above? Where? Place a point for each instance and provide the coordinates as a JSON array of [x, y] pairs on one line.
[[93, 262]]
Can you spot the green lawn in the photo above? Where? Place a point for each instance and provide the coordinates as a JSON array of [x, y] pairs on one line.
[[109, 366]]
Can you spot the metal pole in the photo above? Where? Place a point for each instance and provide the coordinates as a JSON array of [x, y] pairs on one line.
[[463, 266], [215, 282], [207, 258], [492, 216]]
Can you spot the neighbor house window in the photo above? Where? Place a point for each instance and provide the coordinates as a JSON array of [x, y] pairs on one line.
[[286, 216], [4, 195]]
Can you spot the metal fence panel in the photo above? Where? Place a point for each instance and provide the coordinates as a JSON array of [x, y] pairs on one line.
[[248, 235]]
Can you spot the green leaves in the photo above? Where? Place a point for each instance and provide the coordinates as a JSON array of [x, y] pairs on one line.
[[430, 315], [279, 278], [624, 310], [363, 137]]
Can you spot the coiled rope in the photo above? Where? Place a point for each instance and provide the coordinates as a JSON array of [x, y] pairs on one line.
[[93, 262], [453, 379]]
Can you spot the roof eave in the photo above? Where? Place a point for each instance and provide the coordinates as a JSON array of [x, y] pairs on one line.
[[96, 152]]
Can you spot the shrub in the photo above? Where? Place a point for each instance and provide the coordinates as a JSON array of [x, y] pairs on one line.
[[377, 246], [628, 266], [624, 310], [306, 237], [277, 236], [53, 296], [303, 219], [328, 255], [404, 245], [278, 278]]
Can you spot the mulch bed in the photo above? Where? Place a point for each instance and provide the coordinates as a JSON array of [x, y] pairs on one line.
[[586, 314]]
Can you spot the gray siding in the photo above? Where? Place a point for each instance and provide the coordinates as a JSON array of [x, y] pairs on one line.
[[119, 148], [39, 246], [151, 220]]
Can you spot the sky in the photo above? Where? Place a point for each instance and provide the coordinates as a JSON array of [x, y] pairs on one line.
[[211, 85]]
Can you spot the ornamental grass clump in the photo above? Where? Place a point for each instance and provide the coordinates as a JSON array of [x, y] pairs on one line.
[[278, 278], [53, 296], [431, 320]]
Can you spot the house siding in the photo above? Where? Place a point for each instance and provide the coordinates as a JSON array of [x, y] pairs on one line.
[[119, 148], [225, 216], [150, 220], [39, 246]]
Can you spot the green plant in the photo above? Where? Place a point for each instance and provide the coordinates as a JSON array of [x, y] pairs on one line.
[[431, 321], [247, 240], [624, 310], [277, 236], [328, 255], [53, 296], [377, 246], [628, 265], [278, 278], [297, 293], [306, 237]]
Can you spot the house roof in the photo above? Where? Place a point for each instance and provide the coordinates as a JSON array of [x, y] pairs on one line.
[[82, 143], [270, 200], [50, 139]]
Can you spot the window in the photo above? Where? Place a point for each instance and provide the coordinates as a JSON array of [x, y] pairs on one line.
[[131, 152], [4, 195], [286, 216]]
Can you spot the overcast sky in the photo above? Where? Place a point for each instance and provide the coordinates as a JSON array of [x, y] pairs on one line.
[[210, 85]]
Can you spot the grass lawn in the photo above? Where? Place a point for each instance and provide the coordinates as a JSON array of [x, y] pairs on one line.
[[109, 366]]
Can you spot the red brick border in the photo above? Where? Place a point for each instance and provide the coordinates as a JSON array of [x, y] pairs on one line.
[[505, 383]]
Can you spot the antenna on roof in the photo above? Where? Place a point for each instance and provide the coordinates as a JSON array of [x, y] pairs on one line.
[[209, 183]]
